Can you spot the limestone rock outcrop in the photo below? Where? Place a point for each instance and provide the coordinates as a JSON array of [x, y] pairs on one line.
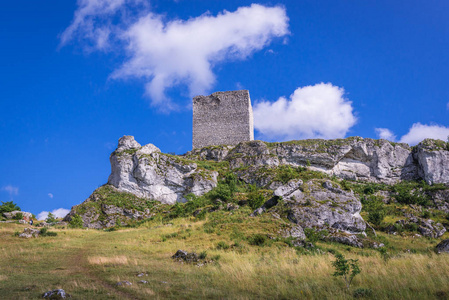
[[321, 205], [29, 233], [352, 158], [12, 214], [147, 173], [433, 159]]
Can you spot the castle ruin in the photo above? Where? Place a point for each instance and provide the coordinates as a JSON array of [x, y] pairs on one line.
[[223, 118]]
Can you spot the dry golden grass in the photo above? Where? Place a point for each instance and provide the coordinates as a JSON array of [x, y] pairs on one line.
[[102, 260], [89, 263]]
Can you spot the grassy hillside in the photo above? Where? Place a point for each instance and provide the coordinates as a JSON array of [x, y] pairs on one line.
[[88, 263]]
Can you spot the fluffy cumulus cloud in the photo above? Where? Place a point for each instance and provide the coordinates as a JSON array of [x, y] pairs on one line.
[[318, 111], [11, 190], [386, 134], [59, 213], [177, 52], [419, 132]]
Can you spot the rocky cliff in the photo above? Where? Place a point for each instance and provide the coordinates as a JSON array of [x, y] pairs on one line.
[[301, 182], [354, 158], [147, 173]]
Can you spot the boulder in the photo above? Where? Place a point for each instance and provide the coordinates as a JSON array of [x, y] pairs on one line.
[[346, 239], [29, 233], [12, 214], [184, 256], [442, 247], [323, 205], [148, 173], [56, 294], [295, 231], [216, 153], [253, 153], [433, 160]]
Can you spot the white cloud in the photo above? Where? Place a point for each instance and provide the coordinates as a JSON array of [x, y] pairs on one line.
[[179, 52], [89, 22], [419, 132], [318, 111], [50, 195], [59, 213], [12, 190], [385, 133]]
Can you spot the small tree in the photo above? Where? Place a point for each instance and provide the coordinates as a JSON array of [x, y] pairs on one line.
[[346, 268], [51, 218], [76, 221], [8, 207]]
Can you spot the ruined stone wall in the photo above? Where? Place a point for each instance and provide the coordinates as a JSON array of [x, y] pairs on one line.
[[223, 118]]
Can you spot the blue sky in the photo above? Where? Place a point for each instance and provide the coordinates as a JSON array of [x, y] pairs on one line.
[[76, 76]]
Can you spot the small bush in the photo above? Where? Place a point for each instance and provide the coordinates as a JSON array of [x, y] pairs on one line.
[[369, 190], [216, 257], [412, 227], [411, 193], [362, 293], [255, 199], [223, 192], [257, 240], [18, 216], [426, 214], [376, 217], [76, 221], [202, 255], [314, 236], [384, 254], [222, 246], [44, 232]]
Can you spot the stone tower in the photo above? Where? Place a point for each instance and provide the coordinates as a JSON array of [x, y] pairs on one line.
[[223, 118]]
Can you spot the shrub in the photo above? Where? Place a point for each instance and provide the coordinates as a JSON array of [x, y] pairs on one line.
[[426, 214], [222, 191], [412, 227], [375, 207], [8, 206], [76, 221], [376, 217], [255, 198], [369, 190], [257, 240], [222, 246], [362, 292], [411, 193], [384, 254], [314, 236], [202, 255], [18, 216], [44, 232]]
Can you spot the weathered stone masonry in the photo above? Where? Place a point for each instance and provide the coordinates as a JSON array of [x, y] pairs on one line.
[[223, 118]]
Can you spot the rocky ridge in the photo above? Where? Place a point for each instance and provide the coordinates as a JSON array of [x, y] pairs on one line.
[[142, 176], [353, 158]]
